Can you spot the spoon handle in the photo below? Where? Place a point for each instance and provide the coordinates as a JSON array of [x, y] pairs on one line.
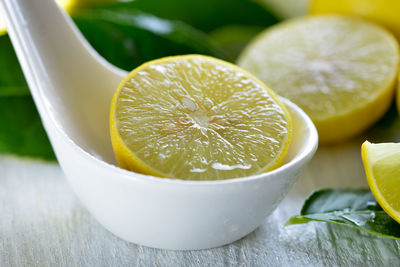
[[70, 83], [49, 46]]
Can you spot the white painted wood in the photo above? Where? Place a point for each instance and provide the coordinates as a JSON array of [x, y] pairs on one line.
[[43, 224]]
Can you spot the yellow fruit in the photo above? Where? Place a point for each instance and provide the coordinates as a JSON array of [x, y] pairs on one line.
[[382, 167], [74, 5], [197, 118], [340, 70], [67, 4], [385, 12]]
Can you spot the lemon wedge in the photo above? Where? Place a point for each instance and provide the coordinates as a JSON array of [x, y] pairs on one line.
[[340, 70], [382, 167], [197, 118]]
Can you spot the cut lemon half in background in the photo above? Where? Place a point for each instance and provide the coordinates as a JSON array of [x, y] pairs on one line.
[[385, 12], [340, 70], [382, 167], [197, 118]]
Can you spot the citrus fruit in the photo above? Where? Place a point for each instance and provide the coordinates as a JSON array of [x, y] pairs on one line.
[[63, 3], [69, 5], [385, 12], [340, 70], [75, 5], [382, 167], [197, 118]]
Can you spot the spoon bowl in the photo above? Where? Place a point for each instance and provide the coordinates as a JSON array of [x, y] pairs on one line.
[[180, 214], [72, 87]]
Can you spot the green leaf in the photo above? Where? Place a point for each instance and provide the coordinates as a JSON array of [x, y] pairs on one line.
[[127, 37], [12, 81], [21, 130], [233, 38], [207, 15], [348, 207], [142, 30]]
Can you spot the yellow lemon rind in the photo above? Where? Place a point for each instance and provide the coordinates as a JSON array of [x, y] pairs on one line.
[[365, 117]]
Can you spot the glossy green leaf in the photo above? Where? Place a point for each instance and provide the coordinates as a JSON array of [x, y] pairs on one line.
[[157, 28], [127, 37], [207, 15], [348, 207]]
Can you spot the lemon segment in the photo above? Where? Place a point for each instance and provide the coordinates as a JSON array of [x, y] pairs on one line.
[[385, 12], [197, 118], [340, 70], [382, 168]]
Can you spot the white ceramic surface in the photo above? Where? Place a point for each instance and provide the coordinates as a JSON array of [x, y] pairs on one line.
[[72, 87]]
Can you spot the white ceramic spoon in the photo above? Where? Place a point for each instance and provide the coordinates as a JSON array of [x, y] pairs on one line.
[[72, 87]]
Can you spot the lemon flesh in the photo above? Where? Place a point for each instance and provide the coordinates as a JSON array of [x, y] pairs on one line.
[[382, 168], [340, 70], [385, 12], [197, 118]]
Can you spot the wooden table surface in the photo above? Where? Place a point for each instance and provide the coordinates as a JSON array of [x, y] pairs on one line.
[[44, 224]]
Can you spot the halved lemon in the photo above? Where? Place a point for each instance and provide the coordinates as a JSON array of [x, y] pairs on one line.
[[382, 167], [197, 118], [340, 70]]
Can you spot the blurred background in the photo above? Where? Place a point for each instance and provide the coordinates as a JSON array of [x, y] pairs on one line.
[[129, 33], [283, 8], [227, 23]]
